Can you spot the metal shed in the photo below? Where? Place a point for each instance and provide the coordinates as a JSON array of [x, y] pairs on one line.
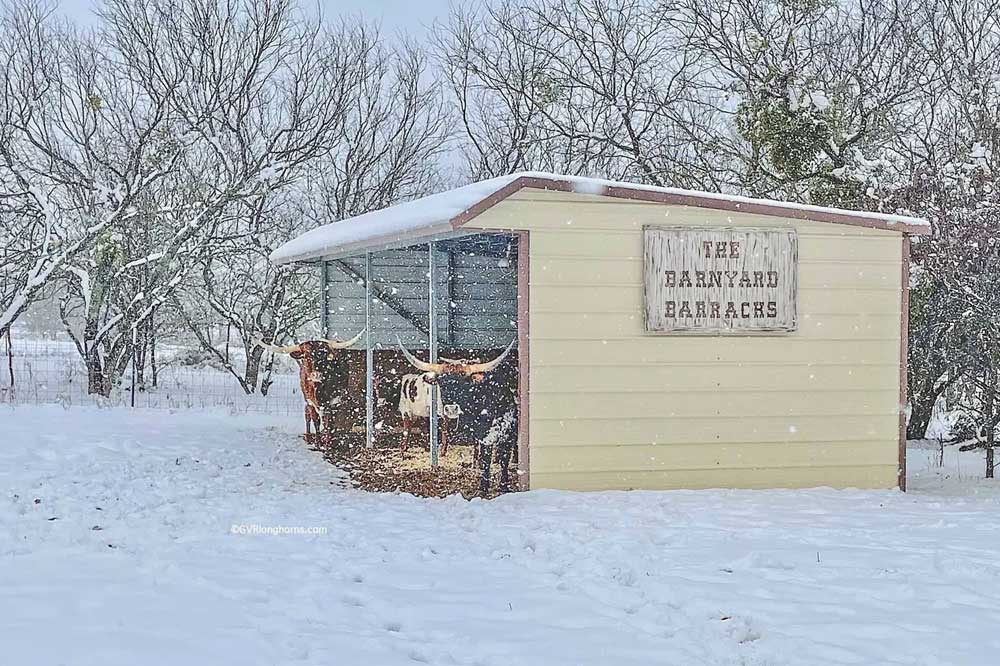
[[646, 369]]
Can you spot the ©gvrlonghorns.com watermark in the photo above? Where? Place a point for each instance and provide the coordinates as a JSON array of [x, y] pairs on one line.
[[274, 530]]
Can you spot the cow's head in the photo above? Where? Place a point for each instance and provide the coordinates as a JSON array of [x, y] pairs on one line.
[[311, 348], [452, 371]]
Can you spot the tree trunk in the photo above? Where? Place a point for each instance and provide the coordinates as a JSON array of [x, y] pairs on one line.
[[92, 359], [139, 357], [10, 360], [153, 368], [989, 455], [921, 409], [100, 374], [922, 401], [251, 376], [990, 440], [991, 421], [265, 385], [98, 383]]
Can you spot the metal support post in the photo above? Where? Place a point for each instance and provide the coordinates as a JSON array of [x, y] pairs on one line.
[[369, 358], [432, 334]]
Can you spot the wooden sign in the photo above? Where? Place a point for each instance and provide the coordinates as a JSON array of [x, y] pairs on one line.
[[720, 280]]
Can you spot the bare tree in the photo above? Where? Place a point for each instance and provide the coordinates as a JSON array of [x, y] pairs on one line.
[[958, 189], [250, 93], [488, 75], [393, 138], [386, 149], [968, 275], [237, 287], [582, 86], [65, 180], [818, 92]]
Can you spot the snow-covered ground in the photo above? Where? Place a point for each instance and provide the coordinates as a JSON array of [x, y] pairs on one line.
[[117, 548]]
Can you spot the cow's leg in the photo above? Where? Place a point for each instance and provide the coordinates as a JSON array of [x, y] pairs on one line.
[[308, 423], [317, 415], [407, 423], [325, 424], [485, 458], [444, 437], [504, 451]]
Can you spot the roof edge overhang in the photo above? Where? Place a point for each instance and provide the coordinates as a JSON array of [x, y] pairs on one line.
[[434, 231], [901, 224], [447, 227]]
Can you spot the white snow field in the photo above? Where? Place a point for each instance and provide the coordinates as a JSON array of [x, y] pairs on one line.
[[116, 548]]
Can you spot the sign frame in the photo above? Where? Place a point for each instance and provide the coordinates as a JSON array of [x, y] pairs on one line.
[[683, 330]]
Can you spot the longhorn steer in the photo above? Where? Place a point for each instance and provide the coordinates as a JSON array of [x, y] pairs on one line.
[[489, 408], [323, 377], [415, 403]]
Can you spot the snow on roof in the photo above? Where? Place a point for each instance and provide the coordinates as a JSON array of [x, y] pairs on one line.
[[399, 221], [445, 211]]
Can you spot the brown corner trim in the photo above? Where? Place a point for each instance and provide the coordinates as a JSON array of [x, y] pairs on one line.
[[524, 358], [481, 207], [693, 200], [523, 351], [904, 331]]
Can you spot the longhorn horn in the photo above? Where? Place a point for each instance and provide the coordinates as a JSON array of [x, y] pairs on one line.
[[275, 349], [477, 368], [417, 363], [335, 344]]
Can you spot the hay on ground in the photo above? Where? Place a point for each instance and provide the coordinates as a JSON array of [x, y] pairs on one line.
[[387, 468]]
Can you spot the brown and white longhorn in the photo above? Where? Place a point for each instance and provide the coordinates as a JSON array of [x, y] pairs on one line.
[[323, 376], [486, 393]]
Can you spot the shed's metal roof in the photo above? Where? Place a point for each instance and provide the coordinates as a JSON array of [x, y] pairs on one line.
[[443, 213]]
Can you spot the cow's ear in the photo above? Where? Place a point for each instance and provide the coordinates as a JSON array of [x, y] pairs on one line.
[[297, 354]]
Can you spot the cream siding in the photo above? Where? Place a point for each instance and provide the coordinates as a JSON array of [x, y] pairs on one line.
[[613, 407]]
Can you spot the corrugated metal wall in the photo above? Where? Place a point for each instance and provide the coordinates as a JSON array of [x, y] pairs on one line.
[[475, 281]]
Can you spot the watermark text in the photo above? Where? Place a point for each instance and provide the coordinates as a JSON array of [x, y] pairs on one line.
[[253, 529]]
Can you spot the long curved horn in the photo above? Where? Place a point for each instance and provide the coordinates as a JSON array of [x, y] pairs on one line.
[[417, 363], [476, 368], [277, 350], [334, 344]]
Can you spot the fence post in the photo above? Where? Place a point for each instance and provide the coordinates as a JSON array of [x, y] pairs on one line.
[[134, 340]]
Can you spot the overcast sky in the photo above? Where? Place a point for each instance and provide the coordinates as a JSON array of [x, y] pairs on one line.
[[408, 15]]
